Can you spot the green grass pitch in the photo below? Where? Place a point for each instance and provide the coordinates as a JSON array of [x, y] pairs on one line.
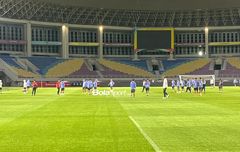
[[82, 123]]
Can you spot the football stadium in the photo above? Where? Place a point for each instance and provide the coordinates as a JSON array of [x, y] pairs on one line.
[[119, 76]]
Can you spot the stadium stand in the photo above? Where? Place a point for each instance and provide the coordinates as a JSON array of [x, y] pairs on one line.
[[187, 67], [169, 64], [64, 69], [21, 73], [131, 70], [84, 72], [235, 62], [44, 63]]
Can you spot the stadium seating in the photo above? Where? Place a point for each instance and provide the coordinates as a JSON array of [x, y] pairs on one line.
[[21, 73], [169, 64], [203, 71], [232, 68], [84, 72], [235, 62], [10, 61], [139, 64], [64, 69], [131, 70], [44, 63], [187, 67]]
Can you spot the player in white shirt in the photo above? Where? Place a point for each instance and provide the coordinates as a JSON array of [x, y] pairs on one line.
[[165, 86], [24, 86], [111, 84]]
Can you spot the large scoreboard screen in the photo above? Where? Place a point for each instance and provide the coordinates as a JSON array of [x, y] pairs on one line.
[[154, 38]]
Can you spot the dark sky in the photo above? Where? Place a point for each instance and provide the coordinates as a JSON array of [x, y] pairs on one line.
[[151, 4]]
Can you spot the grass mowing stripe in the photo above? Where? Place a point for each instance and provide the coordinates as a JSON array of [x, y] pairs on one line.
[[151, 142]]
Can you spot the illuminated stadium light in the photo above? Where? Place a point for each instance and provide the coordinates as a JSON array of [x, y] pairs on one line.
[[63, 27], [101, 28], [206, 29], [200, 53]]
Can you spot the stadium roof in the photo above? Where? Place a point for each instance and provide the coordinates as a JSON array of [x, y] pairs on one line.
[[130, 13], [150, 4]]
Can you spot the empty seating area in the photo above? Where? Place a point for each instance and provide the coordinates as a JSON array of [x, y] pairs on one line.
[[139, 64], [84, 72], [232, 68], [187, 67], [169, 64], [130, 70], [235, 62], [64, 69], [51, 67], [44, 63]]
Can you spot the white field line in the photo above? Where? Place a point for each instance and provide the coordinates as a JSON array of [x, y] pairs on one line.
[[150, 141]]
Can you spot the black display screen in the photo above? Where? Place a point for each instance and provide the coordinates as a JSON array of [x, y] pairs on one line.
[[152, 40]]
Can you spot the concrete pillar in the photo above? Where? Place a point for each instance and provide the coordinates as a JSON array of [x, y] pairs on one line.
[[28, 37], [206, 30], [65, 46], [100, 40]]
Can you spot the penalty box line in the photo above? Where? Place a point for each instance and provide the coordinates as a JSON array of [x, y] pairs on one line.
[[150, 141]]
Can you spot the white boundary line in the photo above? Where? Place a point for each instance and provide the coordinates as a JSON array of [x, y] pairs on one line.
[[150, 141]]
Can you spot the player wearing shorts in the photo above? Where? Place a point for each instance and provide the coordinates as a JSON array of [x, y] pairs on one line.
[[147, 86], [133, 86]]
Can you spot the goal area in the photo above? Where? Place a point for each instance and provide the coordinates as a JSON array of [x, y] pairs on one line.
[[210, 78]]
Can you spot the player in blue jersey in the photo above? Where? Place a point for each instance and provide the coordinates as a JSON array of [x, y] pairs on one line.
[[173, 85], [62, 86], [195, 85], [182, 83], [200, 86], [95, 84], [28, 84], [147, 86], [133, 86], [178, 86], [89, 86], [189, 85]]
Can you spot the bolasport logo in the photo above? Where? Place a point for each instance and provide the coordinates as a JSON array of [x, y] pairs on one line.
[[108, 93]]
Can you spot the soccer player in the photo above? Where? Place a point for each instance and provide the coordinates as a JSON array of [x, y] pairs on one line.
[[95, 84], [34, 87], [173, 85], [143, 85], [1, 86], [165, 86], [147, 86], [62, 86], [204, 86], [182, 82], [58, 85], [84, 86], [24, 86], [133, 86], [200, 86], [195, 85], [28, 84], [189, 84], [220, 85], [178, 86], [235, 82], [89, 86], [212, 83], [111, 84]]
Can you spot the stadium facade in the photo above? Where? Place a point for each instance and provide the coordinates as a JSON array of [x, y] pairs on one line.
[[38, 40]]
